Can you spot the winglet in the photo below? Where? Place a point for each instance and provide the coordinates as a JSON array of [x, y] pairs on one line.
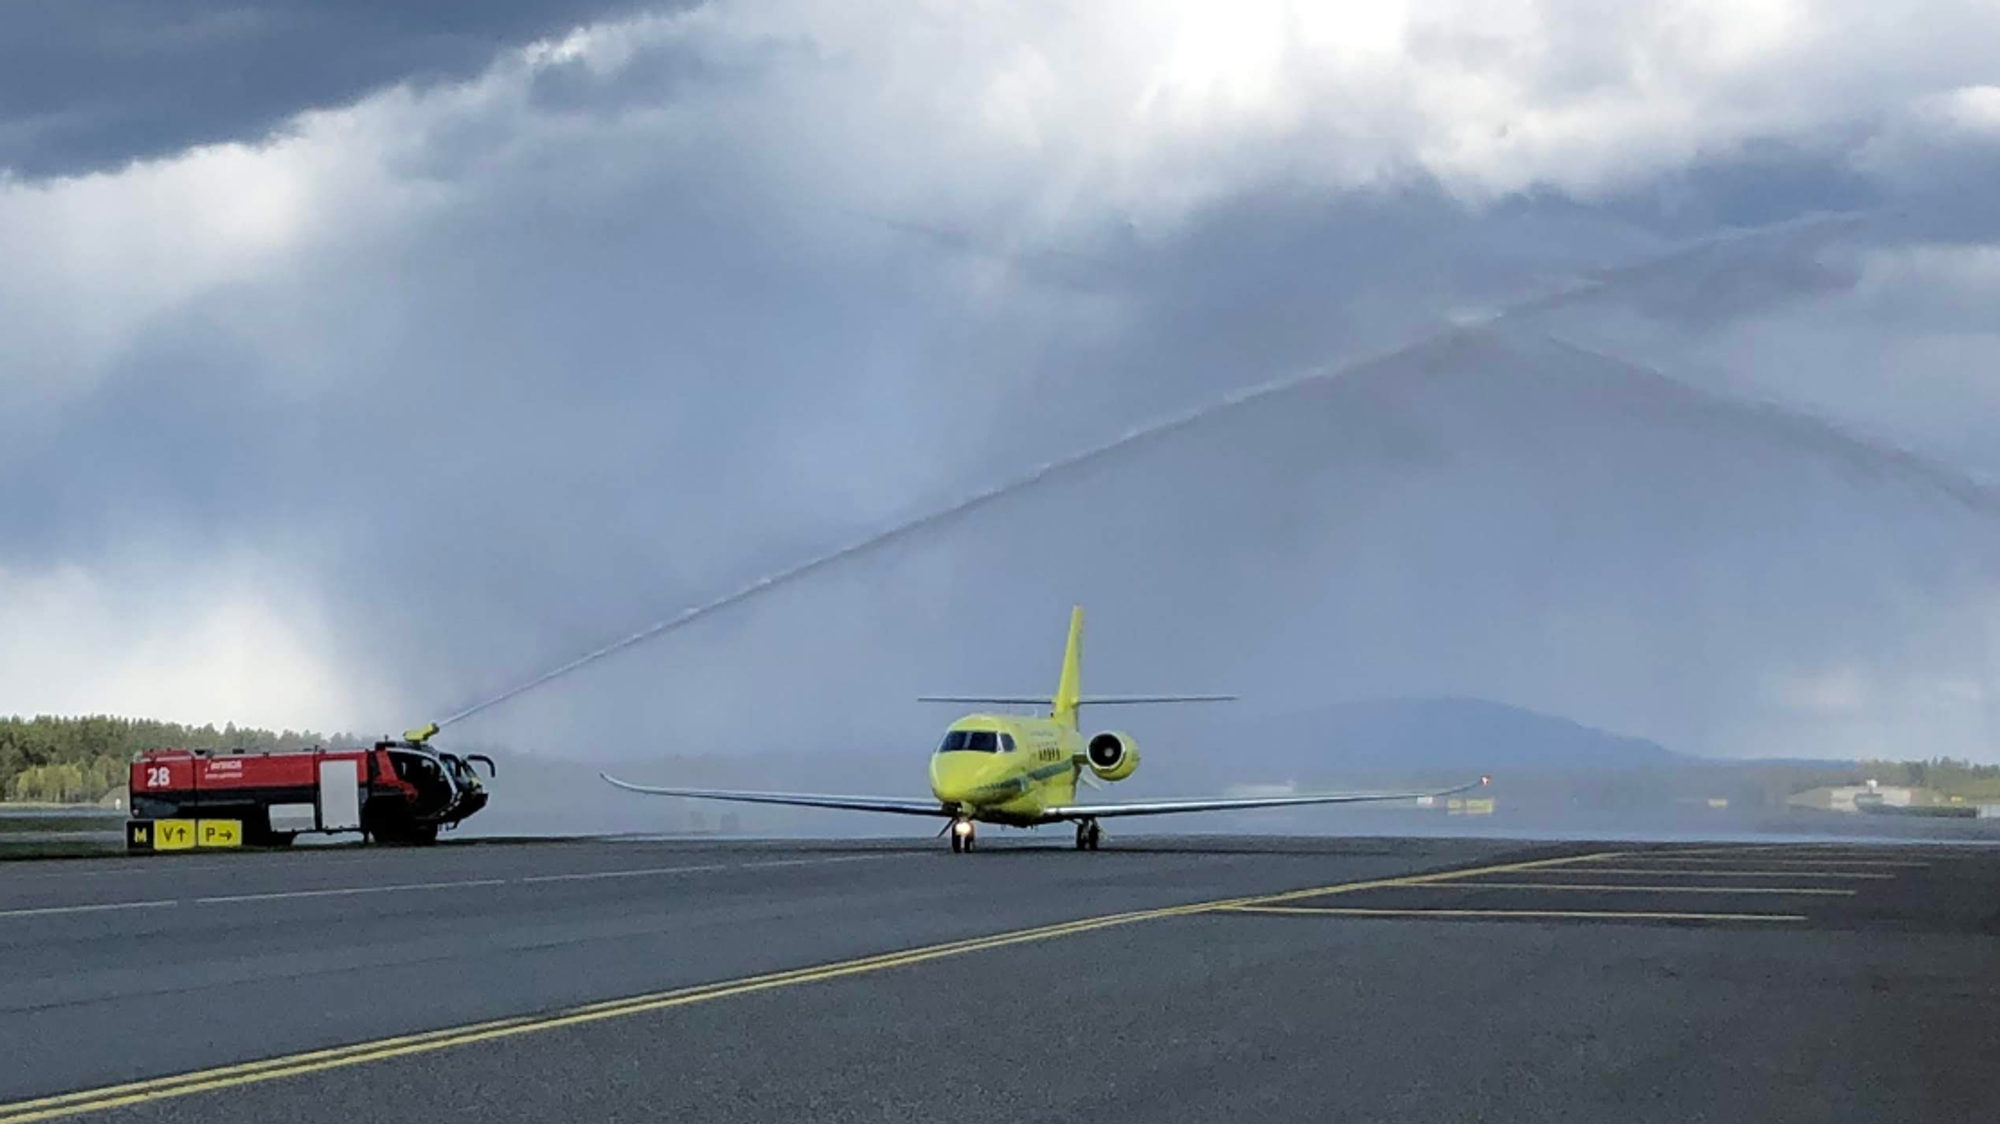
[[1069, 689]]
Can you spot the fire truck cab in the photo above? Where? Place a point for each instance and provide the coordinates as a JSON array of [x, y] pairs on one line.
[[394, 791]]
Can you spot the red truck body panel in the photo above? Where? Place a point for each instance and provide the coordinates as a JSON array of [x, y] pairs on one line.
[[182, 771], [406, 790]]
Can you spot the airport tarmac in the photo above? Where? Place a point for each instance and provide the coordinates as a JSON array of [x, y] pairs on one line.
[[1163, 978]]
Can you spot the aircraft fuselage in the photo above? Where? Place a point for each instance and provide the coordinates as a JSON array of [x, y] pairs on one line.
[[1007, 769]]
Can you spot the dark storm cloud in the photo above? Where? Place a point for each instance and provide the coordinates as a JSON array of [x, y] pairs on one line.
[[697, 343], [597, 417], [1765, 182], [616, 372], [144, 455], [652, 77], [593, 415], [93, 85], [1879, 321]]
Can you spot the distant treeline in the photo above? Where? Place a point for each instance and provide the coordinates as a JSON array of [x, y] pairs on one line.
[[1756, 784], [1948, 776], [46, 759]]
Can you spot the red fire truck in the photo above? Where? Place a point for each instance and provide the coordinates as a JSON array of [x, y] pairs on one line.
[[394, 791]]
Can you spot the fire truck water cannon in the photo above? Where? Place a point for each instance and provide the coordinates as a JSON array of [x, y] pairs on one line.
[[402, 791]]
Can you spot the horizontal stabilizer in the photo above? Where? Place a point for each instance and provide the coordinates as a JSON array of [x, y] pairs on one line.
[[1087, 700]]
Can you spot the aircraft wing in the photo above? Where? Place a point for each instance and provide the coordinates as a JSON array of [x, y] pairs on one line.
[[1227, 803], [796, 799]]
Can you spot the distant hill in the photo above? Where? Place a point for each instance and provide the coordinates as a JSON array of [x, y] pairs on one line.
[[1385, 735]]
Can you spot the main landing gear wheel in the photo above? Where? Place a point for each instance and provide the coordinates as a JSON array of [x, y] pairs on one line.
[[1087, 835]]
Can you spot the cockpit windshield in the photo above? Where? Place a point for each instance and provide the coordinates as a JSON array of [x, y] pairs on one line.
[[977, 741]]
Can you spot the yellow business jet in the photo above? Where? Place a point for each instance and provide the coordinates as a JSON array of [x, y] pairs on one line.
[[1022, 772]]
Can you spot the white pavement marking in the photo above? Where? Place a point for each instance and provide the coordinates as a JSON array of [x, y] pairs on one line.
[[1527, 914], [399, 887], [339, 855], [1738, 860], [593, 875], [43, 911], [643, 872], [405, 887], [1632, 888]]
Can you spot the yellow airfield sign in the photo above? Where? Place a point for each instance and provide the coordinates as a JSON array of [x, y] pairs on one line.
[[182, 835], [218, 833]]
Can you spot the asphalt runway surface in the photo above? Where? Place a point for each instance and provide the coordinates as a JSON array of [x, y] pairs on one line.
[[1161, 979]]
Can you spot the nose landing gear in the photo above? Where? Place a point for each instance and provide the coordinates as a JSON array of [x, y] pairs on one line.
[[962, 836], [1086, 835]]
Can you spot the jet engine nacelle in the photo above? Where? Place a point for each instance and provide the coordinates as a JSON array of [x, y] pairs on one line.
[[1112, 755]]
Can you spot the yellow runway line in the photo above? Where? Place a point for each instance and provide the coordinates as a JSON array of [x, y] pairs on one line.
[[1544, 865], [1704, 872], [360, 1053], [1807, 851], [200, 1081]]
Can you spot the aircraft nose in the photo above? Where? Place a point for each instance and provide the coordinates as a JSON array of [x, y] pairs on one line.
[[953, 781]]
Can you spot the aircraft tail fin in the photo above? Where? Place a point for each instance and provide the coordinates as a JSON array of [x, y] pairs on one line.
[[1069, 690]]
